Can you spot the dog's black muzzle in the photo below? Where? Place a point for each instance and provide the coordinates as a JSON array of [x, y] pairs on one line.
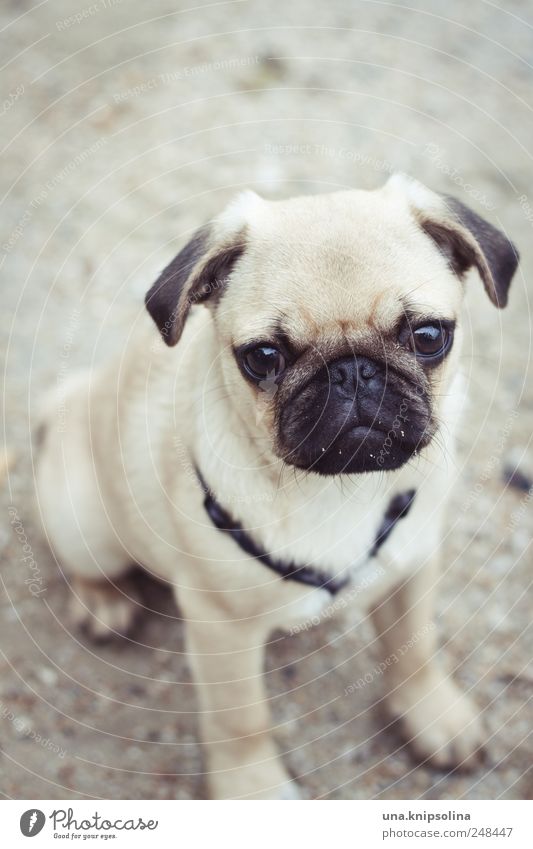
[[355, 415]]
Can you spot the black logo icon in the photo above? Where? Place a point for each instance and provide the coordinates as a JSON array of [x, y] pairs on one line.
[[32, 822]]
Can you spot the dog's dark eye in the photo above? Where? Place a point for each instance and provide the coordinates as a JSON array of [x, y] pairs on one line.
[[264, 361], [429, 341]]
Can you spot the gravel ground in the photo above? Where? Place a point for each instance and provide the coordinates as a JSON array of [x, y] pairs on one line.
[[127, 124]]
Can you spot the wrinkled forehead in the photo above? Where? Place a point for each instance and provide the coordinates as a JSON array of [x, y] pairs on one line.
[[322, 268]]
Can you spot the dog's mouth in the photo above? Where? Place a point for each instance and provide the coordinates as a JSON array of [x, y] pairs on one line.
[[356, 449]]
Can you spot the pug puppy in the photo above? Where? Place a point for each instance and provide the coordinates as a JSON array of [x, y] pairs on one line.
[[293, 449]]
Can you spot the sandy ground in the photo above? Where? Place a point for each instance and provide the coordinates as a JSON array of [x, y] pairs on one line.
[[127, 124]]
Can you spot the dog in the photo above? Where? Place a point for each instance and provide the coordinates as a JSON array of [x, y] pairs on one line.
[[290, 347]]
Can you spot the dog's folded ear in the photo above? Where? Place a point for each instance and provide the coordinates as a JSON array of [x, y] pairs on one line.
[[200, 271], [468, 240], [465, 239]]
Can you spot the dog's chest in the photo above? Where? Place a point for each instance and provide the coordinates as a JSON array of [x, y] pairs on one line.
[[327, 525]]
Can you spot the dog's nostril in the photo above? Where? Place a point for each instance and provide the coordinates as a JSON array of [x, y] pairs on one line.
[[339, 374], [346, 373], [367, 369]]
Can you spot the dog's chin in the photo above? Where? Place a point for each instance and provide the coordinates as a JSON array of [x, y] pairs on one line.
[[359, 450]]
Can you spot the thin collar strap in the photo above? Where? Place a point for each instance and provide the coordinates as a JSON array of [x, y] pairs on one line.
[[288, 571], [398, 507]]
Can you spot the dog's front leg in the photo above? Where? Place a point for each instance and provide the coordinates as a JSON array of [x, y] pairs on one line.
[[226, 659], [440, 721]]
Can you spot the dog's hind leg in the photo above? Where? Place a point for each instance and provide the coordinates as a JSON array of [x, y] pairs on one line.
[[104, 608], [79, 529]]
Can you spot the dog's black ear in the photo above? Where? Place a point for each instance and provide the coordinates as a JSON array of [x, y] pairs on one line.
[[198, 273], [465, 239], [468, 240]]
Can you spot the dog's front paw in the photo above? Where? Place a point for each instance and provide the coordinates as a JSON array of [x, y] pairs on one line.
[[441, 723], [242, 771], [249, 785], [103, 610]]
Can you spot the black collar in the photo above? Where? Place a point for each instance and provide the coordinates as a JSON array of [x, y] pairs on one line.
[[309, 575]]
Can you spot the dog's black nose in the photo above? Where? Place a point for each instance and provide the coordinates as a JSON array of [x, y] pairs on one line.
[[347, 373]]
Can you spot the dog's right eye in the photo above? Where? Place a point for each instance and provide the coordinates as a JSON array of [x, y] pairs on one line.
[[263, 362], [431, 341]]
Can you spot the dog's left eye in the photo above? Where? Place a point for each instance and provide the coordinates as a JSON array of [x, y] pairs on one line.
[[263, 362], [430, 341]]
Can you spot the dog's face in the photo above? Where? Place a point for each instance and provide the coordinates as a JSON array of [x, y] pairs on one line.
[[337, 316]]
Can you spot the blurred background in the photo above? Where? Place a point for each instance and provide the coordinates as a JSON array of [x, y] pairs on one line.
[[126, 125]]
